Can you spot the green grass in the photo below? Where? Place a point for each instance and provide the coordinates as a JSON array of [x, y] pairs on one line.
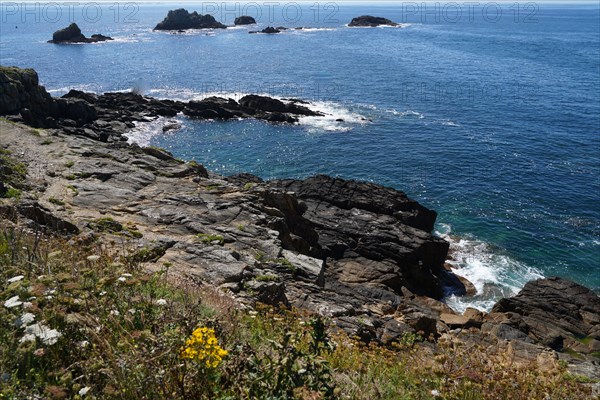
[[267, 278], [106, 224], [69, 164], [56, 201], [13, 174], [116, 331], [12, 193], [209, 238], [73, 190]]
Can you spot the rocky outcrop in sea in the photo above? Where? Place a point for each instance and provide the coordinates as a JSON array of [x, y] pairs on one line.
[[369, 20], [359, 253], [72, 34], [181, 19], [108, 116], [244, 20]]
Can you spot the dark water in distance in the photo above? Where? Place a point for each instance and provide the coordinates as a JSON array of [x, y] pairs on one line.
[[493, 123]]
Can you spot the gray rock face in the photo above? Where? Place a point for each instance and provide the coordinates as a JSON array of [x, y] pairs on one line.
[[19, 90], [359, 228], [555, 312], [20, 93], [181, 19]]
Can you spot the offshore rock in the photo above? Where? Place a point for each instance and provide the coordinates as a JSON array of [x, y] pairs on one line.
[[181, 19]]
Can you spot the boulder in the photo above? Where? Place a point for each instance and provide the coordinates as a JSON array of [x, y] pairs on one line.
[[181, 19], [369, 20], [555, 312], [244, 20]]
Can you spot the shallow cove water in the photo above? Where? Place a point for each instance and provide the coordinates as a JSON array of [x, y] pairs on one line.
[[493, 123]]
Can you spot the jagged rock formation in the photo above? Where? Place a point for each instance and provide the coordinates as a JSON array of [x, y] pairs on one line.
[[106, 117], [555, 312], [72, 34], [181, 19], [369, 20], [20, 94]]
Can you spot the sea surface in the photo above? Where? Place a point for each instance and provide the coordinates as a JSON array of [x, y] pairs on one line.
[[489, 115]]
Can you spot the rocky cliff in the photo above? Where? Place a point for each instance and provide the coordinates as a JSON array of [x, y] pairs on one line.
[[357, 252]]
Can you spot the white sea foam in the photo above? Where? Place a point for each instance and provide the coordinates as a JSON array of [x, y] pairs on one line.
[[338, 118], [450, 123], [91, 88], [397, 26], [143, 132], [406, 113], [311, 30], [494, 275]]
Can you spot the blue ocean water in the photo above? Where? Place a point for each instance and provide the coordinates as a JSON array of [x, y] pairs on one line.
[[488, 114]]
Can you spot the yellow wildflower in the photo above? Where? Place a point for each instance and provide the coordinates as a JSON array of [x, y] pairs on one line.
[[202, 346]]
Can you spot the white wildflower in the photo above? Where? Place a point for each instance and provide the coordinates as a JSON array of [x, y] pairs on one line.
[[93, 258], [127, 275], [28, 337], [115, 312], [131, 311], [12, 302], [102, 293], [16, 278], [27, 304], [122, 279], [83, 344], [83, 391], [435, 393], [47, 335], [161, 302], [24, 319]]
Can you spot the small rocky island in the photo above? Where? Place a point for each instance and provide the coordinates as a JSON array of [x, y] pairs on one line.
[[269, 30], [370, 21], [244, 20], [181, 19], [72, 34]]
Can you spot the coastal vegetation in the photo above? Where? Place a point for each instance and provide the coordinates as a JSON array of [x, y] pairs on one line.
[[84, 322]]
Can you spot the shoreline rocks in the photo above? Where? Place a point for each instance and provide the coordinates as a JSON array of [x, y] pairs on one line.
[[88, 114], [371, 21], [181, 19], [72, 34]]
